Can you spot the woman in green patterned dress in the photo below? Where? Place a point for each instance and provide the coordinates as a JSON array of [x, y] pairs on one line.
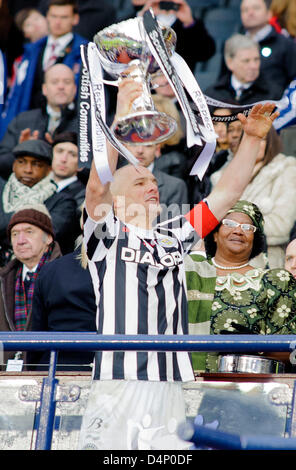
[[227, 295]]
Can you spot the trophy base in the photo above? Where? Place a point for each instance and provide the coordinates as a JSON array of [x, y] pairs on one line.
[[144, 128]]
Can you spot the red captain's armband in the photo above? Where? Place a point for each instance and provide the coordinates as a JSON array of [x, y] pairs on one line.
[[202, 219]]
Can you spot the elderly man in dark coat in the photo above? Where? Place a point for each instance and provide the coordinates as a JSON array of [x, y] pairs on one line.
[[31, 234]]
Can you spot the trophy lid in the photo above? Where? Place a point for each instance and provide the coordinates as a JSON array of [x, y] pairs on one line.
[[123, 42]]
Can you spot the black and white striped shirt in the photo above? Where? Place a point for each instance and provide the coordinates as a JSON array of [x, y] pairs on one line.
[[139, 283]]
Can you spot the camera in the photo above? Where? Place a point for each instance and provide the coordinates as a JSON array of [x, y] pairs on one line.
[[169, 6]]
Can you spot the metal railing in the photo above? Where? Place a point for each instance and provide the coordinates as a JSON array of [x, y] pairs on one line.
[[73, 341]]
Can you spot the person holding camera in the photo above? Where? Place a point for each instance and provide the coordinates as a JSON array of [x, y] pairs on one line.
[[189, 30]]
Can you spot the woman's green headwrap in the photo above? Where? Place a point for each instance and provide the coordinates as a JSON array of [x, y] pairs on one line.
[[252, 211]]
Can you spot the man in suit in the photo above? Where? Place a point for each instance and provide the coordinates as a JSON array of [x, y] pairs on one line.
[[60, 46], [173, 193], [278, 53], [57, 115], [69, 180], [243, 83]]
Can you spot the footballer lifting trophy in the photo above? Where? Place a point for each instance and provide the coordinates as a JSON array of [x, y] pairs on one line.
[[121, 46]]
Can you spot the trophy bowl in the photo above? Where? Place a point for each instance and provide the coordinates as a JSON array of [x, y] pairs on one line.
[[121, 46]]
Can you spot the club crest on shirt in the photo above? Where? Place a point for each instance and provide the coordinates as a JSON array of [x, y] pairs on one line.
[[167, 242]]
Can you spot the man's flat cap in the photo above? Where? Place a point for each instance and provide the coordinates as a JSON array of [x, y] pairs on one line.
[[34, 148]]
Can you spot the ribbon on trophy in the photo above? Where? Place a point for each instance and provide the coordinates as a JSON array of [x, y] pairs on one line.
[[171, 68], [93, 130]]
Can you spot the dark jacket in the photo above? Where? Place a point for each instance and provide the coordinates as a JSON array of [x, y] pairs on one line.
[[7, 283], [173, 193], [278, 60], [260, 90], [64, 300], [194, 43], [172, 190], [199, 189], [35, 119], [280, 66], [75, 191]]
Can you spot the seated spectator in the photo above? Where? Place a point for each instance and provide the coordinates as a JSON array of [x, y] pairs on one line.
[[65, 171], [64, 300], [33, 26], [32, 23], [221, 128], [278, 53], [33, 243], [57, 115], [93, 16], [272, 188], [64, 166], [226, 294], [60, 46], [290, 257], [31, 181], [243, 83], [189, 30]]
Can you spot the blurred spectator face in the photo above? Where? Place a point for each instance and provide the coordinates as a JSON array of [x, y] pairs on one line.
[[290, 260], [234, 135], [245, 65], [254, 14], [30, 170], [61, 20], [35, 26], [144, 153], [59, 86], [163, 86], [29, 243], [221, 127], [65, 160]]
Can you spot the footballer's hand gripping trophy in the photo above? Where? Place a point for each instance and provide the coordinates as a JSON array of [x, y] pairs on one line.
[[120, 47]]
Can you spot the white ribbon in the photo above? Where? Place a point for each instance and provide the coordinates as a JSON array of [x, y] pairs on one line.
[[99, 130], [208, 132], [99, 143], [179, 75]]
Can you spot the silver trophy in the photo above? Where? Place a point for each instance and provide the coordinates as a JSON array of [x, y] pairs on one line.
[[121, 46]]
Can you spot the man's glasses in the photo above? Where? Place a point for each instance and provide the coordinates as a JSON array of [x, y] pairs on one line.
[[233, 224]]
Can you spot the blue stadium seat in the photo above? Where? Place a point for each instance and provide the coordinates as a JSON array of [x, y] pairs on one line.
[[221, 23], [206, 73]]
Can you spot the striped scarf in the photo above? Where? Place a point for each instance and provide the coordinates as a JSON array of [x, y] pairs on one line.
[[23, 305]]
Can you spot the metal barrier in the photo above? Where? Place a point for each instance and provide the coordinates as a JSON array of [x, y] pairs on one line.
[[72, 341], [211, 438]]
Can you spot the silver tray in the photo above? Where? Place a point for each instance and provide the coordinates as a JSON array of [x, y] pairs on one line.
[[249, 364]]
